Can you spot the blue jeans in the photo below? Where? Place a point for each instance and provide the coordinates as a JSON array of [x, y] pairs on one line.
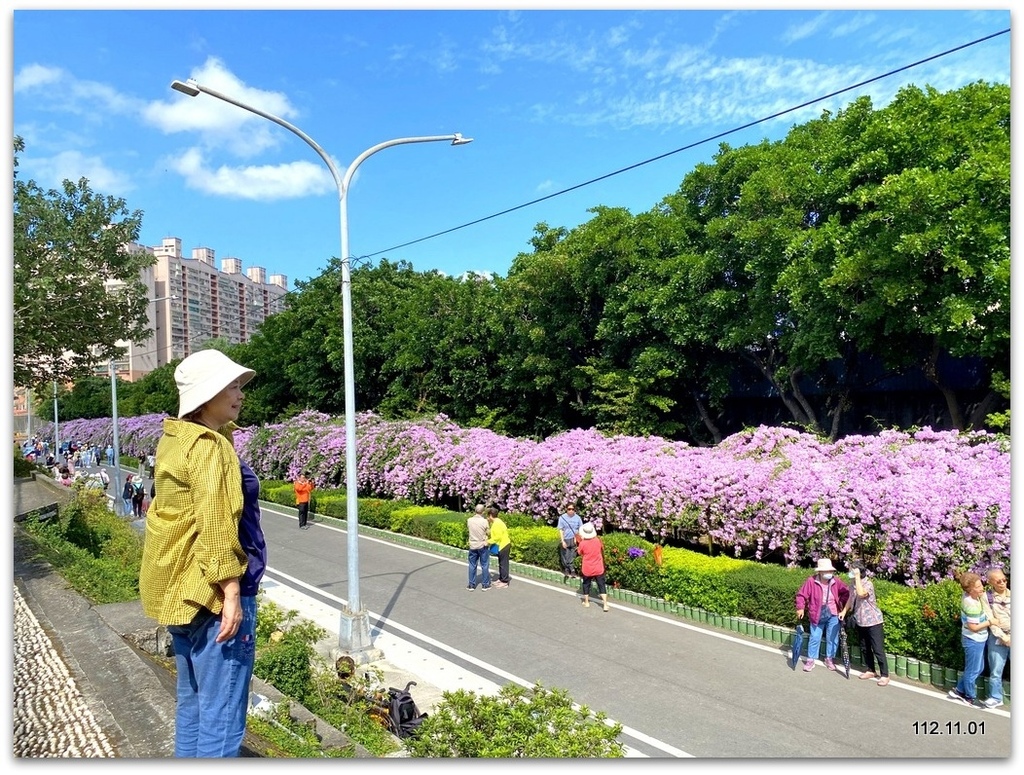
[[830, 626], [213, 684], [997, 656], [481, 557], [974, 663]]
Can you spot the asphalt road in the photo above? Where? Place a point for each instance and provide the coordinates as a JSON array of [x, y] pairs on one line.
[[678, 689]]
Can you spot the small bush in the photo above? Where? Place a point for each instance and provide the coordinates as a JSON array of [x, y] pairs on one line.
[[538, 547], [377, 512], [98, 553], [629, 564], [414, 520], [767, 593], [701, 581], [516, 723]]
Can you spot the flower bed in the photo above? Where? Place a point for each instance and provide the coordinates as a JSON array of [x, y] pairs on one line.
[[918, 506]]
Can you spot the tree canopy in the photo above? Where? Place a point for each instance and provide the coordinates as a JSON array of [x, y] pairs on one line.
[[803, 277], [77, 282]]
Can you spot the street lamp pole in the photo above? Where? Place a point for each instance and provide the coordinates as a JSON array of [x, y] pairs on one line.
[[56, 425], [354, 631]]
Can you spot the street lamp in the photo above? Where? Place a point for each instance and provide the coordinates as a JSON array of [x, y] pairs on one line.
[[113, 409], [354, 631]]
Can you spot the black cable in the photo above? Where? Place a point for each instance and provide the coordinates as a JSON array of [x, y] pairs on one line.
[[691, 145]]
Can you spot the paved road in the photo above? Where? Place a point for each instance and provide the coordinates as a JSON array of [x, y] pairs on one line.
[[679, 690]]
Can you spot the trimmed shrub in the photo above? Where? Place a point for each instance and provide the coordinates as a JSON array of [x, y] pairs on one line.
[[413, 520], [538, 546], [376, 512], [701, 581], [629, 564]]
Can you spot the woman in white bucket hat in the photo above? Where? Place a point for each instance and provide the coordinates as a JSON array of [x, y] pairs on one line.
[[822, 596], [204, 555]]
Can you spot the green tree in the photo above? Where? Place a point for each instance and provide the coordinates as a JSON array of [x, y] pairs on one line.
[[77, 286], [155, 393], [922, 267], [88, 398]]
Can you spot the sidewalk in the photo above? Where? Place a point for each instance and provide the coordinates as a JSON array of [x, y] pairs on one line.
[[81, 690], [86, 685]]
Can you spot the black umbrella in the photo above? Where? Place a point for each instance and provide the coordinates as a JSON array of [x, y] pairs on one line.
[[844, 648], [798, 644]]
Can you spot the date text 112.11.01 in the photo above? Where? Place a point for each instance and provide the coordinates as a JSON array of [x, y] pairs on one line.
[[949, 727]]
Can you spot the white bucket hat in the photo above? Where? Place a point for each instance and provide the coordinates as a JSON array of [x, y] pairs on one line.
[[588, 531], [824, 566], [203, 375]]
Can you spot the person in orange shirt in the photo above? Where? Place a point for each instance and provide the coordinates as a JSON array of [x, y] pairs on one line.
[[303, 488]]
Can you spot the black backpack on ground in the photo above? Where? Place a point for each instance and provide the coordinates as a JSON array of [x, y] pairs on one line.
[[404, 718]]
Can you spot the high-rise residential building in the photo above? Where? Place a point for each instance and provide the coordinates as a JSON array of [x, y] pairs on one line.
[[192, 301]]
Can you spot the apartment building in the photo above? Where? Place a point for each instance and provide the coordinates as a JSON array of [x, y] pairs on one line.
[[192, 302]]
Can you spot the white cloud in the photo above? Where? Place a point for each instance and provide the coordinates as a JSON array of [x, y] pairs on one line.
[[50, 172], [256, 182], [33, 76], [220, 124], [853, 24], [55, 89], [807, 29]]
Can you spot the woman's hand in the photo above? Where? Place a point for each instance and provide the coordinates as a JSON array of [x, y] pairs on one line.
[[231, 613]]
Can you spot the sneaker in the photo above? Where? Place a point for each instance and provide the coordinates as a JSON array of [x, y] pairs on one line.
[[470, 587], [963, 698], [992, 702], [829, 663], [485, 587], [808, 665]]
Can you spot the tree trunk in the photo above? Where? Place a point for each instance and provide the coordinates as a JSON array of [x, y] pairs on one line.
[[705, 415], [987, 405], [931, 372]]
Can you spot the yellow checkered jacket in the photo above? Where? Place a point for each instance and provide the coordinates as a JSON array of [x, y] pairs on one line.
[[192, 525]]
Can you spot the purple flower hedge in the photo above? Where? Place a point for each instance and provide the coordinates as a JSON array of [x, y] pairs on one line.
[[919, 506]]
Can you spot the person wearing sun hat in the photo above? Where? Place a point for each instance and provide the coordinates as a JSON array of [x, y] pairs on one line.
[[822, 596], [591, 551], [203, 556]]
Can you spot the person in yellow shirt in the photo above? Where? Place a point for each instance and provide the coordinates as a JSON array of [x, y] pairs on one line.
[[193, 560], [499, 537]]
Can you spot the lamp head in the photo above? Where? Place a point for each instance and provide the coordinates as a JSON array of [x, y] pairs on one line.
[[460, 140], [184, 87]]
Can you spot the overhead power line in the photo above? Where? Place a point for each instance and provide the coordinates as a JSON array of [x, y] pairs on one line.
[[690, 145]]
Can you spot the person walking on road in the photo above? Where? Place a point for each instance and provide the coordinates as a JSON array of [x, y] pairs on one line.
[[499, 537], [110, 455], [822, 596], [194, 564], [569, 525], [479, 548], [997, 602], [591, 549], [867, 617], [303, 489]]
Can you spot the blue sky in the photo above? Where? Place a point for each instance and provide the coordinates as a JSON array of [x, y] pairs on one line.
[[553, 99]]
